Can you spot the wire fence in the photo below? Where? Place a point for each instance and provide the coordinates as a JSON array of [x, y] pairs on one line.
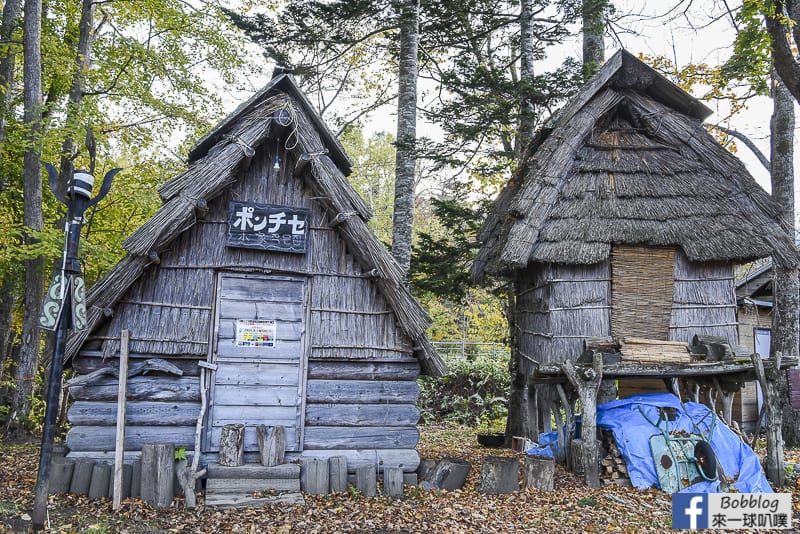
[[471, 349]]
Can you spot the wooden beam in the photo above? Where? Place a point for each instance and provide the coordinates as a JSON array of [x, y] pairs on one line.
[[553, 372], [768, 378], [587, 382]]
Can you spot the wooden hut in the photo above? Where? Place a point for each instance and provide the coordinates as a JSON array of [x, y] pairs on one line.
[[260, 281], [625, 219]]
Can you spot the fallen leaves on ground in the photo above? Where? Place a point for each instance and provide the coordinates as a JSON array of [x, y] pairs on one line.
[[570, 507]]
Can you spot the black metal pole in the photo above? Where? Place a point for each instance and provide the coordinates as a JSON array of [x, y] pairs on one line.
[[69, 267]]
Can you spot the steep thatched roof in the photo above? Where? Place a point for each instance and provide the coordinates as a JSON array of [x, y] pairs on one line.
[[214, 165], [627, 160]]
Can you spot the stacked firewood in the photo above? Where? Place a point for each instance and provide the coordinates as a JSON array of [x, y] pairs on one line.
[[612, 465]]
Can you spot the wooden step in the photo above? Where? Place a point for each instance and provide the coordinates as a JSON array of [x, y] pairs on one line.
[[254, 471], [250, 485], [234, 487], [236, 500]]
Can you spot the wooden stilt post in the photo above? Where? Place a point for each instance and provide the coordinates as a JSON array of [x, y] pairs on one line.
[[726, 397], [587, 384], [533, 411], [561, 436], [119, 449], [569, 423], [769, 386]]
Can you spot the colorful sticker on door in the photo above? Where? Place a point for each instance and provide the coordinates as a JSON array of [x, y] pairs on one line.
[[254, 333]]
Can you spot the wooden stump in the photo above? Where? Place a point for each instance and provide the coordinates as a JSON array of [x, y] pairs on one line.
[[101, 480], [367, 480], [125, 490], [271, 444], [61, 474], [231, 445], [158, 474], [448, 474], [81, 477], [136, 479], [393, 481], [499, 475], [337, 467], [59, 451], [426, 466], [576, 453], [314, 475], [538, 472]]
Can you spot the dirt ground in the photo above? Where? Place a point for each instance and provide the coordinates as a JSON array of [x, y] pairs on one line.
[[571, 507]]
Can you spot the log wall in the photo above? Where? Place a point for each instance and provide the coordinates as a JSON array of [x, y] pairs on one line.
[[357, 365]]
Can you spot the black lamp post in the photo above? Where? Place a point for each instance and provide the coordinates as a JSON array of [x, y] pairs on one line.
[[64, 308]]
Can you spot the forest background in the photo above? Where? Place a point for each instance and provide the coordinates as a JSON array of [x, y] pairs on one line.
[[148, 78]]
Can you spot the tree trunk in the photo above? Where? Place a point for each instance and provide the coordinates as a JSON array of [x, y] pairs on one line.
[[783, 56], [593, 27], [33, 219], [406, 158], [786, 287], [8, 297], [11, 12], [527, 122]]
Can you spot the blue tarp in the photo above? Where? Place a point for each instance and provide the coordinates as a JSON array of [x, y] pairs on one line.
[[632, 433]]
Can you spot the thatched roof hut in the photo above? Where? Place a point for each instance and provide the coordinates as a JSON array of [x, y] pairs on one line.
[[626, 218], [260, 282], [214, 164], [589, 181]]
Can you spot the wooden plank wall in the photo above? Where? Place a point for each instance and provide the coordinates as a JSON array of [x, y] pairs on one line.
[[361, 375]]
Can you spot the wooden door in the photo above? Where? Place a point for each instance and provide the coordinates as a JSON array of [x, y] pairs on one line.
[[260, 357]]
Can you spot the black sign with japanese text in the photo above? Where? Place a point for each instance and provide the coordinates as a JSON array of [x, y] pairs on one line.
[[267, 227]]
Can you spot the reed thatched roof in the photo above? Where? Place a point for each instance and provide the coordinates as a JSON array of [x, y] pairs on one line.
[[214, 165], [628, 161]]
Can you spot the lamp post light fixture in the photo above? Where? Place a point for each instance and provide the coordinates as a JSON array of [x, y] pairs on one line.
[[64, 309]]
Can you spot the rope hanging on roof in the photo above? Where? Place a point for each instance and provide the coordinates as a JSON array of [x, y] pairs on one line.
[[247, 150]]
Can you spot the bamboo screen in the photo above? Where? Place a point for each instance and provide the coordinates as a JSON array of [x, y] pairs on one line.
[[642, 281]]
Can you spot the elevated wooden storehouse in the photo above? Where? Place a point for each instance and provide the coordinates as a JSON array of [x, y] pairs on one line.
[[626, 219], [259, 280]]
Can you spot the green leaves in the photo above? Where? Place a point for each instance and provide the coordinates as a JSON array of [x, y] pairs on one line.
[[752, 50]]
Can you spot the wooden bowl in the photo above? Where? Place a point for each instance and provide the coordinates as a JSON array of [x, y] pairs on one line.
[[492, 440]]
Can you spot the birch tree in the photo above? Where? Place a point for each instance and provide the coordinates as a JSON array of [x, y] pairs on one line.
[[406, 159], [786, 285], [766, 33]]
